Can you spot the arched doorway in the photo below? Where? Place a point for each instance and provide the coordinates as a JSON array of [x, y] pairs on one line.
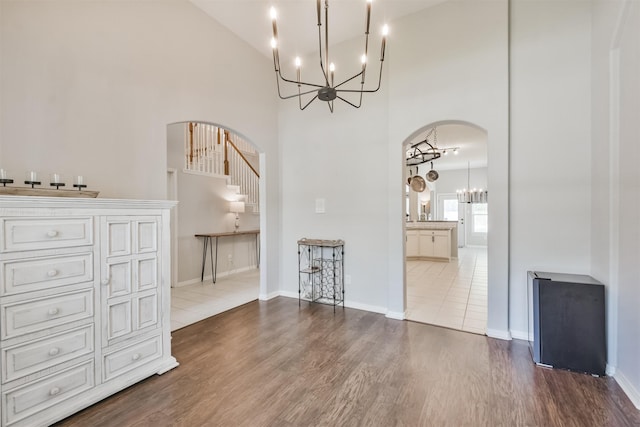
[[213, 171], [446, 263]]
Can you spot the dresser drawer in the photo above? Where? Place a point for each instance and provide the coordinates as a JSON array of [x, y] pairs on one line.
[[43, 273], [131, 357], [21, 234], [25, 359], [34, 315], [34, 397]]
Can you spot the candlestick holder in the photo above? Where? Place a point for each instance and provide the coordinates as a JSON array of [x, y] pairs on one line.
[[79, 182], [33, 183], [56, 180], [4, 179]]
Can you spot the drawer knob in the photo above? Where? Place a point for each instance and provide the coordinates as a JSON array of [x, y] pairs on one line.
[[54, 351], [53, 311], [52, 233], [54, 391], [135, 356], [52, 273]]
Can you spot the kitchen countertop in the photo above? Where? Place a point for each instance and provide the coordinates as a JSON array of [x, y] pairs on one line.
[[432, 225]]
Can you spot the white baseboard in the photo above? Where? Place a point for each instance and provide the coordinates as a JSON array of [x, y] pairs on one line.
[[519, 335], [365, 307], [288, 294], [610, 370], [349, 304], [219, 275], [499, 334], [628, 388], [267, 297], [396, 315]]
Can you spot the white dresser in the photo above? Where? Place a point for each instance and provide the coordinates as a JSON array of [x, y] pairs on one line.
[[84, 302]]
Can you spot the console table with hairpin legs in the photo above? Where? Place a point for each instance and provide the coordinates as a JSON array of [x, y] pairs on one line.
[[208, 242]]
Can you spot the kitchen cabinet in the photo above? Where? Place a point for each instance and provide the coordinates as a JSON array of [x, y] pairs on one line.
[[427, 243], [84, 302]]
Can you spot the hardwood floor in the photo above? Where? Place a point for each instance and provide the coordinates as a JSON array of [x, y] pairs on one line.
[[274, 364]]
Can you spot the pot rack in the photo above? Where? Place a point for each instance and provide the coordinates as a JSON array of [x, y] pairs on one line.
[[423, 151]]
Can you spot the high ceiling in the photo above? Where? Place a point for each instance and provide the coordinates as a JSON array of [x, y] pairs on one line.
[[298, 34], [250, 20]]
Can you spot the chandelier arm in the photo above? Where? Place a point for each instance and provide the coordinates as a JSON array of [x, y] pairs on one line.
[[348, 80], [294, 95], [352, 104], [279, 73], [330, 104], [348, 102], [367, 90], [307, 104]]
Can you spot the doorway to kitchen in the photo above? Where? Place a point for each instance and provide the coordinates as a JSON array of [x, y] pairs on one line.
[[451, 290]]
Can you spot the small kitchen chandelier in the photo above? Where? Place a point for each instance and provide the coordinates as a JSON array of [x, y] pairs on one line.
[[327, 90], [468, 195]]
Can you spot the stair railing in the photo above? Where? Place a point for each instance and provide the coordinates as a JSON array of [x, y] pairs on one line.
[[244, 174]]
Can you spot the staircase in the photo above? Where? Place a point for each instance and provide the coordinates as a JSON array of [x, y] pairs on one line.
[[216, 152]]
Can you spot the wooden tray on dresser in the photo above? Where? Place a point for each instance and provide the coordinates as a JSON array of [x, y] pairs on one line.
[[46, 192]]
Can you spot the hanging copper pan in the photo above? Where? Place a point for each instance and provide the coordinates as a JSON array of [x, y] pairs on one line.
[[418, 183]]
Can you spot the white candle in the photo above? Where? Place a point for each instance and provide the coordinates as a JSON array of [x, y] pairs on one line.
[[55, 178], [3, 174], [32, 176], [79, 180]]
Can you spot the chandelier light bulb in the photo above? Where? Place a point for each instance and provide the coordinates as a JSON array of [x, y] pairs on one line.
[[298, 62], [444, 152], [363, 58], [332, 67], [273, 13], [385, 30], [455, 151], [274, 43]]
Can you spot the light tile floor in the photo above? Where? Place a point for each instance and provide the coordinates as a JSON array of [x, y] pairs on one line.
[[192, 303], [451, 294]]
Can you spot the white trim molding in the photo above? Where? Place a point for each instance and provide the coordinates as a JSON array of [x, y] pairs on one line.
[[628, 388], [396, 315], [267, 297], [499, 334]]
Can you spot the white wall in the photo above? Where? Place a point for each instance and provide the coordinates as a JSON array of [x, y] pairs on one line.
[[89, 88], [341, 158], [550, 166], [615, 226]]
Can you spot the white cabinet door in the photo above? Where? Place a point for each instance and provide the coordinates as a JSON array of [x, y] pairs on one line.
[[441, 247], [413, 245], [130, 282], [426, 243]]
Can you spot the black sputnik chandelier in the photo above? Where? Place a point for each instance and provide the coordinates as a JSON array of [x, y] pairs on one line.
[[327, 90]]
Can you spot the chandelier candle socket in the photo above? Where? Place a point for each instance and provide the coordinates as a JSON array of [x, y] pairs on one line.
[[328, 90]]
